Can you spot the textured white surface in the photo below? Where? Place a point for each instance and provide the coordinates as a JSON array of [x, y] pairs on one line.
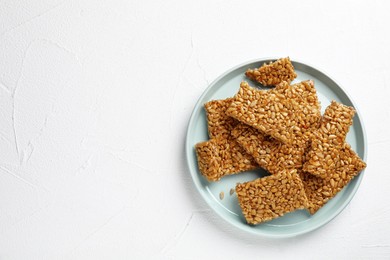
[[95, 97]]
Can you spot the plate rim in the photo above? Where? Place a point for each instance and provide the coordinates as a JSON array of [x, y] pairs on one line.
[[247, 228]]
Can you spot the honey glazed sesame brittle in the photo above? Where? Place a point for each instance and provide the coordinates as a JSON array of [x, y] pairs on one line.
[[282, 113], [282, 131], [219, 157], [270, 197], [273, 73]]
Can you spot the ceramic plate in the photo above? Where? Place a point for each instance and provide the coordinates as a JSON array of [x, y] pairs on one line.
[[291, 224]]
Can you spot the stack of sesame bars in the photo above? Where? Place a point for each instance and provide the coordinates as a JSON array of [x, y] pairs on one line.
[[282, 131]]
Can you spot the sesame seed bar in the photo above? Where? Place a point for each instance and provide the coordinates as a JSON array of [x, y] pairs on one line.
[[218, 123], [268, 153], [328, 138], [221, 155], [321, 190], [273, 73], [270, 197], [275, 112]]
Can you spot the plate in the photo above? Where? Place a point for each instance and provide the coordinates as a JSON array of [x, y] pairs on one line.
[[291, 224]]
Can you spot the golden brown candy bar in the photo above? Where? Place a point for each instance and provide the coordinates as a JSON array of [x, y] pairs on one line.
[[273, 113], [327, 140], [321, 190], [270, 197], [219, 157], [273, 73]]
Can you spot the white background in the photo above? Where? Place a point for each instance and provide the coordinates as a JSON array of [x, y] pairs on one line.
[[95, 97]]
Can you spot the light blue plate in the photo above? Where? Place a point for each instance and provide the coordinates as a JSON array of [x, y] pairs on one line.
[[292, 224]]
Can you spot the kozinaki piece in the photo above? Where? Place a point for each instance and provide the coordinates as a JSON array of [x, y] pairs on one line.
[[270, 197], [273, 73], [273, 112]]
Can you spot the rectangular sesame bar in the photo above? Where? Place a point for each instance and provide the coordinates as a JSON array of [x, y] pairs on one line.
[[327, 140], [275, 112], [270, 197], [273, 73], [269, 153], [218, 123], [221, 155], [321, 190]]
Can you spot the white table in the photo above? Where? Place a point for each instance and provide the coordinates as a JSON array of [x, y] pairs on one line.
[[95, 98]]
